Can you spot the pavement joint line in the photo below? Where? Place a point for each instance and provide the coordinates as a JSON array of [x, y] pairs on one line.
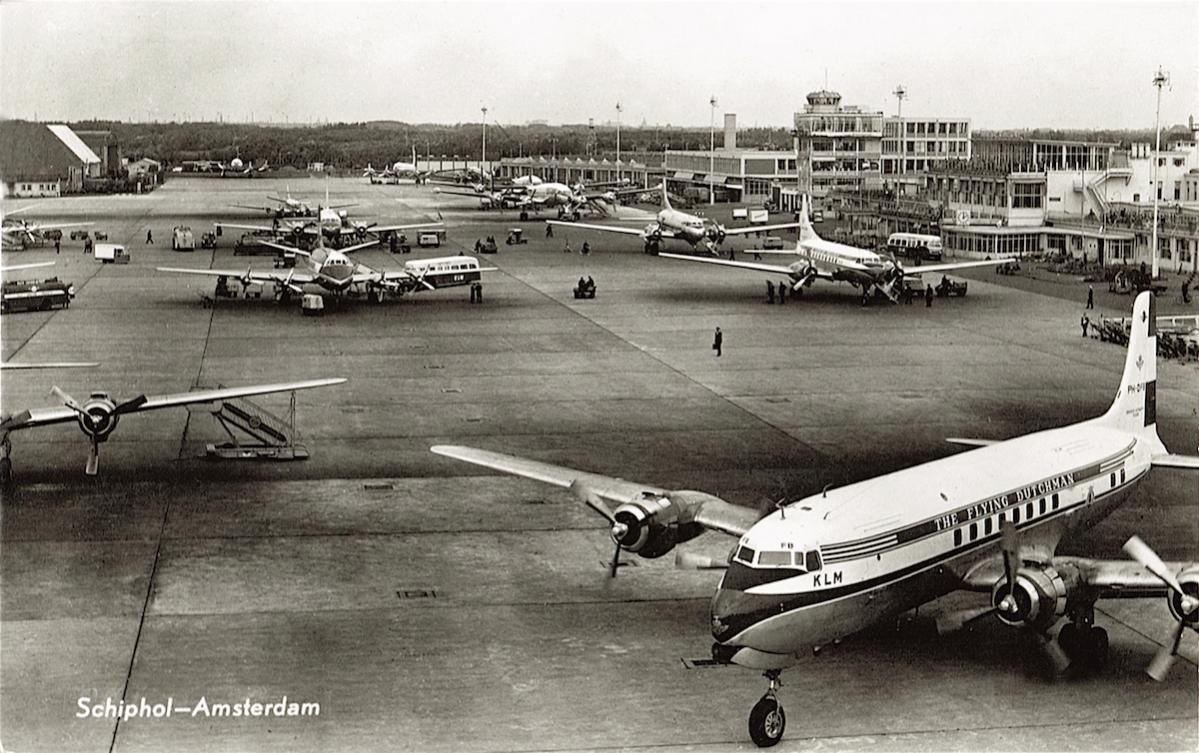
[[369, 534], [141, 620], [199, 370]]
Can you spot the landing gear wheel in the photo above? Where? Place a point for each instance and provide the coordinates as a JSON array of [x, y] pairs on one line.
[[1094, 646], [5, 472], [767, 722], [1070, 639]]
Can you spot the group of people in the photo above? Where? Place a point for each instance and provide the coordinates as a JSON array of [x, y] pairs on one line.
[[586, 288], [783, 288], [488, 244]]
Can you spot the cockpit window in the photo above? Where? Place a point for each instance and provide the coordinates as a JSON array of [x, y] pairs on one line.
[[775, 559], [746, 555], [813, 561]]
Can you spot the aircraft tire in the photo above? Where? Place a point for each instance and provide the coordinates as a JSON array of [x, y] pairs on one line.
[[1070, 640], [5, 471], [767, 722], [1095, 646]]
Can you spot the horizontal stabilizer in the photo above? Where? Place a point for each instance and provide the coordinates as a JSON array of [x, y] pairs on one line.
[[1189, 462], [971, 442]]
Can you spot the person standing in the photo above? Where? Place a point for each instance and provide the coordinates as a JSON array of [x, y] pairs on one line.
[[769, 291], [549, 230], [928, 297], [782, 292], [1086, 324], [149, 237], [718, 342], [57, 246], [567, 248], [1090, 296]]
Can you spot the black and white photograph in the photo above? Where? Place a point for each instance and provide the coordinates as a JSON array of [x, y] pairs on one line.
[[508, 377]]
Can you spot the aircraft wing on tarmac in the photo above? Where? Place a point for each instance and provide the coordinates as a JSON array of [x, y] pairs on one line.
[[758, 228], [665, 233], [607, 495], [950, 266], [781, 269], [292, 279], [98, 415], [15, 267]]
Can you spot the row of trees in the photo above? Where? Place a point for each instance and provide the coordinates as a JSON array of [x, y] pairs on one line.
[[348, 145]]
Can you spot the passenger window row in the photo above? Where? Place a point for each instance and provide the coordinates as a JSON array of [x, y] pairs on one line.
[[990, 524]]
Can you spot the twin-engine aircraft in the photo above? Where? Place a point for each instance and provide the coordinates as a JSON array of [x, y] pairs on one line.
[[99, 414], [987, 520], [335, 271], [287, 206], [528, 192], [818, 259], [671, 223]]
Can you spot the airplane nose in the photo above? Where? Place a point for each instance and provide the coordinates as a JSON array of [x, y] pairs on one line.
[[730, 612]]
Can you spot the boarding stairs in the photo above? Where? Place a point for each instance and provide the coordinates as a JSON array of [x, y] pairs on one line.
[[254, 432]]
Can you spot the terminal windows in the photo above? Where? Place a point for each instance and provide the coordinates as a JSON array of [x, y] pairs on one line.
[[1026, 196]]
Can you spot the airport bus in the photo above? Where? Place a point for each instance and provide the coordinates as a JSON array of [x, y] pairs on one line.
[[916, 246]]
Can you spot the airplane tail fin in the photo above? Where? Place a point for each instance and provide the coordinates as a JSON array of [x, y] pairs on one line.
[[806, 231], [665, 197], [1135, 408]]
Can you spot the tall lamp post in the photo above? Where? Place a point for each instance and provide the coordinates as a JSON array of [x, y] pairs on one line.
[[900, 95], [1160, 80], [712, 152], [483, 161], [618, 110]]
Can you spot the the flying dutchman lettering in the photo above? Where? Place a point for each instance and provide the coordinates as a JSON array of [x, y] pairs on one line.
[[1002, 501]]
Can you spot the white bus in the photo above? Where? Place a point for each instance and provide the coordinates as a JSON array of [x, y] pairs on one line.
[[916, 246]]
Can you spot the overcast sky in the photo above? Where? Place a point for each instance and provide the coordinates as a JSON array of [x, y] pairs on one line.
[[1002, 65]]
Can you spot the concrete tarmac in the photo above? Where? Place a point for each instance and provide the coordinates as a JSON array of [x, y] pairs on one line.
[[430, 605]]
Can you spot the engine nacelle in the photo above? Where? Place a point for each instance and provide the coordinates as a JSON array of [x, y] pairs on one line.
[[1189, 580], [652, 526], [99, 417], [1040, 598]]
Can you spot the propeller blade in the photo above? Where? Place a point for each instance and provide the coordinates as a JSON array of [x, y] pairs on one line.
[[1141, 552], [130, 405], [1053, 652], [587, 496], [67, 400], [692, 561], [1164, 658], [615, 563], [93, 458]]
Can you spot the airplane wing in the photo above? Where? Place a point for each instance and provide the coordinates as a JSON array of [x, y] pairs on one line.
[[14, 267], [280, 230], [271, 210], [1113, 579], [711, 512], [272, 277], [472, 194], [950, 266], [50, 365], [758, 228], [59, 414], [606, 228], [752, 265], [393, 228], [39, 227]]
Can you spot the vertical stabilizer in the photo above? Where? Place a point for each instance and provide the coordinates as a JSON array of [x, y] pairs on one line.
[[806, 231], [665, 197], [1135, 407]]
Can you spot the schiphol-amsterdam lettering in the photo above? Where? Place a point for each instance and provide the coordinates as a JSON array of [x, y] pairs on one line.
[[143, 709]]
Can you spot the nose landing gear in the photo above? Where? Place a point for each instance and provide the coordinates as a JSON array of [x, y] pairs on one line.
[[767, 720]]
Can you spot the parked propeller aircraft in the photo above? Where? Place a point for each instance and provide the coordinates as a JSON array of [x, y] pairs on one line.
[[288, 206], [327, 221], [99, 414], [17, 233], [395, 171], [828, 260], [336, 272], [987, 520], [671, 223], [528, 192]]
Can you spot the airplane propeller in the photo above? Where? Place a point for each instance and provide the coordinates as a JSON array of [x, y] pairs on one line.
[[97, 422], [1187, 604], [587, 496]]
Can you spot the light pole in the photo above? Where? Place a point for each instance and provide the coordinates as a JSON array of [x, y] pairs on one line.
[[712, 152], [618, 109], [1159, 81], [900, 95], [483, 161]]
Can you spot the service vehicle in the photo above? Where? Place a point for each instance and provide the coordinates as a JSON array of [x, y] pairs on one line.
[[772, 243], [110, 253], [182, 239], [36, 295], [430, 238], [916, 246]]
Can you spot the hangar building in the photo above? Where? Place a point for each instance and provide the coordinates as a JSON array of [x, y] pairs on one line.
[[44, 160]]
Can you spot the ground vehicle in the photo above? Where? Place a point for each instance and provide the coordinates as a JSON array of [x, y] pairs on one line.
[[916, 246], [772, 242], [79, 235], [208, 240], [949, 287], [427, 238], [515, 237], [312, 305], [182, 239], [488, 246], [30, 295], [1133, 281], [111, 253]]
